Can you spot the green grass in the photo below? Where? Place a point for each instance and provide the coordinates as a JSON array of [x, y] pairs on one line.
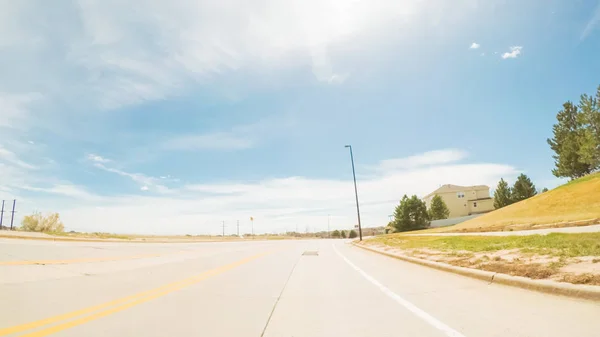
[[555, 244]]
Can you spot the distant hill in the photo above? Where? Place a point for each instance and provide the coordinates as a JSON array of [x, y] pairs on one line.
[[574, 203]]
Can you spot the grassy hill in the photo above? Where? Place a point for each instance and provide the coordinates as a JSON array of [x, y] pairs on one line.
[[574, 203]]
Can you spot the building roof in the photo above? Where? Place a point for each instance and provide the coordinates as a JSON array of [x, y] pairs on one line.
[[456, 188]]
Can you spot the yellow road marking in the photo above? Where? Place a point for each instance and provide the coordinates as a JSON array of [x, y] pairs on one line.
[[83, 260], [117, 305]]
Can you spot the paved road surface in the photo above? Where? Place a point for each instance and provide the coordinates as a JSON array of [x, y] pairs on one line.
[[260, 289], [543, 231]]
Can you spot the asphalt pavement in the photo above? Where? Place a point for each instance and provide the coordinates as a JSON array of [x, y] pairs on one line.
[[263, 288]]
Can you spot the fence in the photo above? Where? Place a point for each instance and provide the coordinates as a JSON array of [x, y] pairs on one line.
[[453, 221]]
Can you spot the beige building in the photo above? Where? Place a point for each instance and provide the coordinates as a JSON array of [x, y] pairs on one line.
[[463, 200]]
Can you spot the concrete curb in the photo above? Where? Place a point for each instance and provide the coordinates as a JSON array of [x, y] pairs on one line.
[[546, 286]]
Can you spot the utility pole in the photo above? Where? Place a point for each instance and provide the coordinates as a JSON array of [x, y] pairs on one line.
[[223, 228], [355, 192], [238, 227], [2, 214], [12, 218], [252, 221], [328, 231]]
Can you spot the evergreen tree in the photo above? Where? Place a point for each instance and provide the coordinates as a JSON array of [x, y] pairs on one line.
[[411, 214], [566, 144], [523, 189], [438, 209], [502, 195], [544, 190], [343, 234], [589, 117]]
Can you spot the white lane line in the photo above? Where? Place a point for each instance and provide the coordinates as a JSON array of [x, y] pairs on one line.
[[448, 331]]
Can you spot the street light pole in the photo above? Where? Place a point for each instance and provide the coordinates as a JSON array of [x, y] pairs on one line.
[[355, 192]]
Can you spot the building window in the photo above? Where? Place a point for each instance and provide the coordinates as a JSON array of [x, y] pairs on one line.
[[460, 195], [474, 204]]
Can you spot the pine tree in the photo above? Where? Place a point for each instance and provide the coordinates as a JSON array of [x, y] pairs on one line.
[[566, 144], [589, 115], [523, 189], [438, 209], [502, 195], [411, 214]]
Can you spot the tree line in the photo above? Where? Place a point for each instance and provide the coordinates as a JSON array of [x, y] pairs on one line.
[[342, 234], [523, 188], [412, 213], [576, 138]]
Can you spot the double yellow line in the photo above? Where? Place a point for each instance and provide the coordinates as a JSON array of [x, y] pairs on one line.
[[80, 260], [79, 316], [87, 260]]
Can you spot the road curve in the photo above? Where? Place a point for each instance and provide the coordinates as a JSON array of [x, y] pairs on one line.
[[267, 288]]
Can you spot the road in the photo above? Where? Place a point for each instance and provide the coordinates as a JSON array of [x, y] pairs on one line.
[[266, 288]]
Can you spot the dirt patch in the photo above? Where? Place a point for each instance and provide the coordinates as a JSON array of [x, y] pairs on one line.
[[583, 265], [577, 270], [591, 279], [531, 270]]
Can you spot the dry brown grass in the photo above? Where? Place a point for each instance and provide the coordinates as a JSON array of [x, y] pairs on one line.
[[592, 279], [531, 270], [574, 203]]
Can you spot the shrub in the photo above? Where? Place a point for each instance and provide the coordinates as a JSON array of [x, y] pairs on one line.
[[37, 222]]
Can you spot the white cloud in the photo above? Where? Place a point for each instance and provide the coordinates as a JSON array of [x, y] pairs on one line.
[[145, 182], [64, 189], [425, 159], [238, 137], [117, 53], [592, 23], [11, 157], [96, 158], [474, 45], [280, 204], [514, 52], [276, 204], [193, 46], [14, 108]]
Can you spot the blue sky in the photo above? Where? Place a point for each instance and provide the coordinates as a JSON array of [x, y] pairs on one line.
[[174, 116]]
